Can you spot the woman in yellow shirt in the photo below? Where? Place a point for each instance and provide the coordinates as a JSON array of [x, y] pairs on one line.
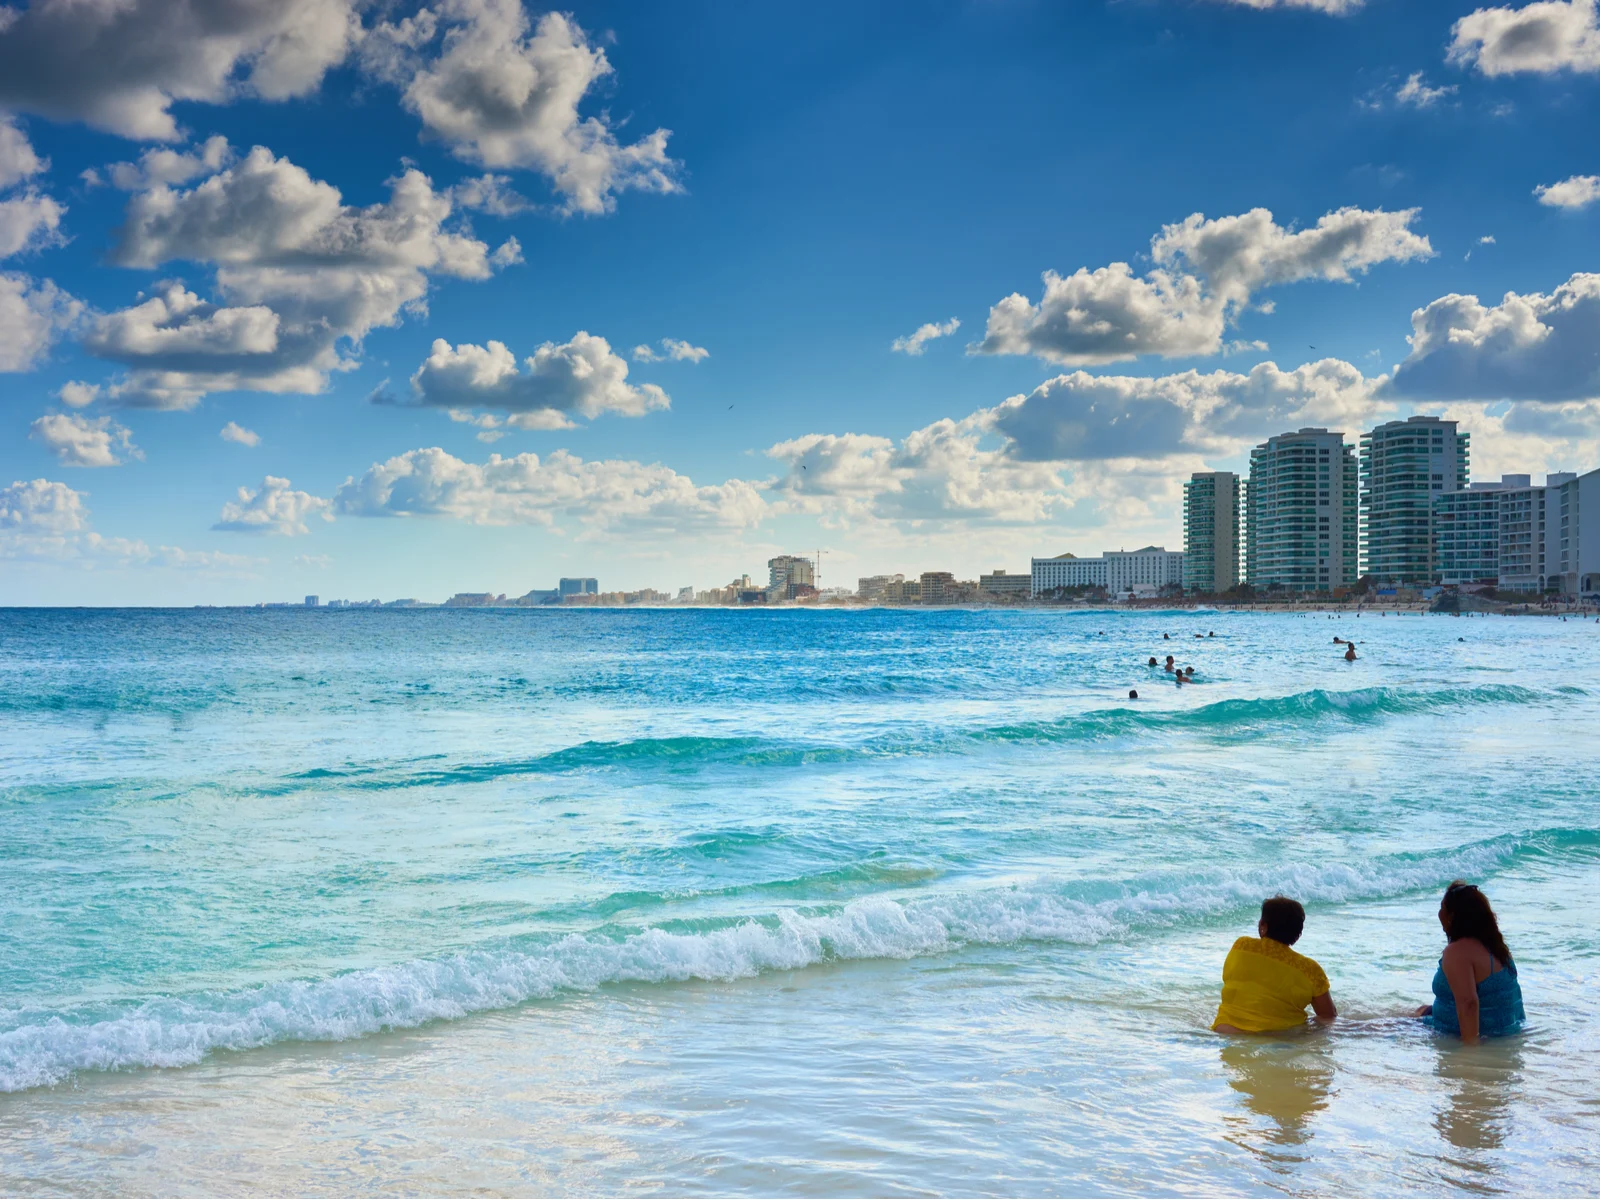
[[1265, 985]]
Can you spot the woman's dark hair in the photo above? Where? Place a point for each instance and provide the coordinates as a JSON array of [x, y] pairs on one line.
[[1284, 919], [1471, 917]]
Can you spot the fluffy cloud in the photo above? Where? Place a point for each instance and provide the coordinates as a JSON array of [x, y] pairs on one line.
[[941, 472], [1086, 417], [32, 314], [1579, 191], [1533, 347], [1337, 8], [80, 442], [44, 520], [163, 166], [1542, 38], [583, 376], [492, 194], [1205, 273], [501, 96], [914, 343], [603, 496], [297, 272], [17, 158], [39, 506], [273, 508], [235, 432], [1415, 93], [28, 222], [672, 350], [120, 66]]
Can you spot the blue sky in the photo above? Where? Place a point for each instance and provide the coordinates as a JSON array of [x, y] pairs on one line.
[[485, 294]]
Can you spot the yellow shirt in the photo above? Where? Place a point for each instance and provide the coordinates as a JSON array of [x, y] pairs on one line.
[[1266, 986]]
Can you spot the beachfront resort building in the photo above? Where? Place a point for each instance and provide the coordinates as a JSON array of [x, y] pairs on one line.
[[788, 573], [1577, 538], [873, 587], [1530, 535], [1118, 571], [1301, 514], [1466, 531], [1404, 465], [1211, 532], [1001, 584], [578, 587]]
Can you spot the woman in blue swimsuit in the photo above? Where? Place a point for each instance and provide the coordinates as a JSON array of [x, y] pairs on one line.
[[1475, 990]]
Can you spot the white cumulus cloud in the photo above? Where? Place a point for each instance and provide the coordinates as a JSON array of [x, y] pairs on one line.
[[1416, 93], [80, 442], [33, 313], [582, 376], [29, 221], [299, 275], [1578, 191], [1205, 274], [42, 506], [603, 496], [18, 160], [1536, 347], [120, 66], [500, 95], [914, 343], [672, 350], [235, 432], [1540, 38], [162, 166], [275, 507]]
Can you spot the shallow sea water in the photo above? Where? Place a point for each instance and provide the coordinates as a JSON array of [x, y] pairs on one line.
[[787, 903]]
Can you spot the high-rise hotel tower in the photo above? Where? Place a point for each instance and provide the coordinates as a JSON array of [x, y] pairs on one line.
[[1211, 532], [1301, 512], [1405, 465]]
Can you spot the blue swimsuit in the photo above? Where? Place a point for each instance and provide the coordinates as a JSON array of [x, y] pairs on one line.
[[1499, 1003]]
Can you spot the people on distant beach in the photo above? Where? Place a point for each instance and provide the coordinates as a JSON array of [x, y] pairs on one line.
[[1349, 652], [1266, 986], [1476, 993]]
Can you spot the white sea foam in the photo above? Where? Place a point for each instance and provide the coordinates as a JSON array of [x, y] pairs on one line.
[[40, 1049]]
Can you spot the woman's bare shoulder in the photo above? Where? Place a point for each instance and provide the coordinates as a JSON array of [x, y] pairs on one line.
[[1466, 950]]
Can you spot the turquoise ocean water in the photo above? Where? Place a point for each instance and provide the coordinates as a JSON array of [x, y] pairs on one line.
[[779, 902]]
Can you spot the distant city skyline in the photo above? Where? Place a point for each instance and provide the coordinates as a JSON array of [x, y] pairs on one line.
[[286, 308]]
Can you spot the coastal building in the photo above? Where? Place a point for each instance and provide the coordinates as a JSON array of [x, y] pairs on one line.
[[1530, 535], [937, 587], [1301, 514], [786, 573], [578, 587], [1404, 465], [1466, 531], [1001, 584], [873, 587], [539, 596], [312, 601], [1211, 532], [1578, 539], [1067, 571], [1152, 568]]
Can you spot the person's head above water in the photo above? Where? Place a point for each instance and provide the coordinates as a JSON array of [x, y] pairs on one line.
[[1133, 693], [1465, 913], [1188, 670], [1282, 920], [1152, 660]]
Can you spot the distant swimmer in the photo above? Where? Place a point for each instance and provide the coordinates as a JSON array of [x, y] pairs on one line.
[[1337, 640], [1213, 633], [1179, 679], [1133, 693], [1166, 637], [1153, 660], [1169, 664], [1349, 652]]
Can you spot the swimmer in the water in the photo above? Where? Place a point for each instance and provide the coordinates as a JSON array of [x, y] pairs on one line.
[[1178, 678], [1349, 652], [1265, 985], [1169, 664], [1153, 660], [1212, 633], [1133, 693], [1166, 637]]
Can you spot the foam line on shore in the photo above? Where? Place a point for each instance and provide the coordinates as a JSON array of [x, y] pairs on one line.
[[39, 1048]]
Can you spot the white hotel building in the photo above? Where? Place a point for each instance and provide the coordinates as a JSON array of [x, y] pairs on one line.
[[1118, 571]]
